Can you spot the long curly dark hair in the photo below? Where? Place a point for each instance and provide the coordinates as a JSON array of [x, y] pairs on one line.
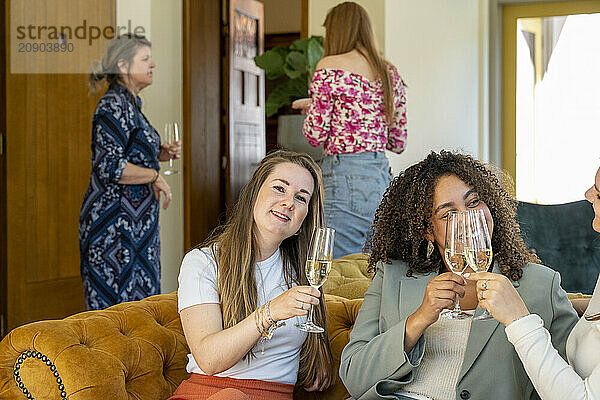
[[404, 215]]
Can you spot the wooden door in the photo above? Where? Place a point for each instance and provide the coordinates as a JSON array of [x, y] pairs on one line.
[[47, 159], [202, 119], [245, 133]]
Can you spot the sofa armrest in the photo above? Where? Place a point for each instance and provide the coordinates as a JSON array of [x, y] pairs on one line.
[[131, 350]]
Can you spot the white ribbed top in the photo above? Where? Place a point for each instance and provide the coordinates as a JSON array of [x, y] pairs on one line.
[[445, 345]]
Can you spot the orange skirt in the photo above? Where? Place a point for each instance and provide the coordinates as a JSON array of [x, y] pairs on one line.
[[203, 387]]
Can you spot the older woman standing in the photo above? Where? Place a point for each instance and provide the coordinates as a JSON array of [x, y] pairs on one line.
[[118, 224]]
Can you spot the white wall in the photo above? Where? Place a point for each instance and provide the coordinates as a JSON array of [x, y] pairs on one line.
[[161, 104], [435, 45], [439, 47], [317, 10]]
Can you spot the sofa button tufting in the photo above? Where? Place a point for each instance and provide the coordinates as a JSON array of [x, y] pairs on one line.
[[465, 394]]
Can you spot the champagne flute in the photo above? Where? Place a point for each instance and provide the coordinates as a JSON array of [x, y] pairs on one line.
[[478, 248], [454, 253], [171, 136], [318, 264]]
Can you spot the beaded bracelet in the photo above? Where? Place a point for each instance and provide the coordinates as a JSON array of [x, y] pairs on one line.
[[49, 364]]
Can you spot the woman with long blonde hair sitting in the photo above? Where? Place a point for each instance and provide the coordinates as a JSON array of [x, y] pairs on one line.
[[241, 295]]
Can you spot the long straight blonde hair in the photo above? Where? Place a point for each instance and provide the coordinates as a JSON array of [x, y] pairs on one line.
[[347, 28], [235, 248]]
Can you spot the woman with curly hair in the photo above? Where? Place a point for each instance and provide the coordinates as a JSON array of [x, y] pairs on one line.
[[399, 347], [240, 296]]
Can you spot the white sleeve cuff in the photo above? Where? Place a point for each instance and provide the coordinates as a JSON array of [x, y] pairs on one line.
[[522, 327]]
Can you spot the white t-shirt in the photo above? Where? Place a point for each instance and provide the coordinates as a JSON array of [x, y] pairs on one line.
[[280, 361]]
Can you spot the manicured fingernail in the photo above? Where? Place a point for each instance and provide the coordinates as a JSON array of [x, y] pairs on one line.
[[466, 275]]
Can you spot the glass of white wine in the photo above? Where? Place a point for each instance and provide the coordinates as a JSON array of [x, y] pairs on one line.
[[172, 135], [478, 248], [454, 253], [318, 264]]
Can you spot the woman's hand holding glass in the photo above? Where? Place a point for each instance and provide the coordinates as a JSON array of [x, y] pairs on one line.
[[294, 302], [499, 297], [171, 149], [440, 294]]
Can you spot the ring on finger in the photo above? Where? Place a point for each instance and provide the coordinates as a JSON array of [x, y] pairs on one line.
[[484, 284], [481, 295]]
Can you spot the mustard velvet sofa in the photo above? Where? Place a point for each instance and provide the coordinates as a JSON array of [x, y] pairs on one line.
[[137, 350]]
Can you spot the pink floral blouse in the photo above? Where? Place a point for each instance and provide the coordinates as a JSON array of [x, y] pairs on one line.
[[347, 113]]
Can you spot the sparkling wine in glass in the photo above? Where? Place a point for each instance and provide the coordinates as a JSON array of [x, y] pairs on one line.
[[454, 253], [172, 135], [318, 265], [478, 248]]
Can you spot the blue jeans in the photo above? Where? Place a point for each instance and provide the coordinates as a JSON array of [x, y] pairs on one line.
[[354, 185]]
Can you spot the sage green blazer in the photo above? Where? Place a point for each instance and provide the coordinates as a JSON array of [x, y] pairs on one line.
[[374, 364]]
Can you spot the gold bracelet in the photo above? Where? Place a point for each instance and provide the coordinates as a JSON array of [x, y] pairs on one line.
[[156, 177], [269, 319], [259, 326]]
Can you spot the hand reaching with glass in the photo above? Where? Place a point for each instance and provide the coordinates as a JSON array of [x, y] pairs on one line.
[[318, 265], [500, 297], [171, 149]]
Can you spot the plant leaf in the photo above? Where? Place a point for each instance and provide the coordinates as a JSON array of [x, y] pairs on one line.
[[284, 94], [315, 53], [300, 45], [296, 64], [318, 39], [272, 62]]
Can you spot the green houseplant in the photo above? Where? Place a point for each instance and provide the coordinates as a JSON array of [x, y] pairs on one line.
[[297, 62]]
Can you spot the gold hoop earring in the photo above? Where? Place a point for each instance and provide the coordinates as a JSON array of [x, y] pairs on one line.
[[430, 249]]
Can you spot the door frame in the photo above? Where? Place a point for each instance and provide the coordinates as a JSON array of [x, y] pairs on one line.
[[491, 30], [3, 242]]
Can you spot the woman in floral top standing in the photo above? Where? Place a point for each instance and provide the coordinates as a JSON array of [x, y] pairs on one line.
[[357, 110]]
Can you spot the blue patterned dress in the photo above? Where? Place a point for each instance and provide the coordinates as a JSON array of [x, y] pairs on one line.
[[118, 225]]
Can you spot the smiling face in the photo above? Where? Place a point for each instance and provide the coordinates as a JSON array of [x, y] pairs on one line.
[[139, 74], [282, 204], [593, 196], [451, 194]]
